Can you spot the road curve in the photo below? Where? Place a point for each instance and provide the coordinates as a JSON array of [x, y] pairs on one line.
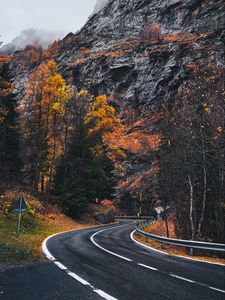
[[111, 263]]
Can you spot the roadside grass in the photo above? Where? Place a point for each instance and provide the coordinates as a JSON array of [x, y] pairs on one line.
[[159, 228], [39, 222]]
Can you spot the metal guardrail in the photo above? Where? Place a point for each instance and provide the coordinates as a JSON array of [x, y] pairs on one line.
[[133, 218], [182, 243]]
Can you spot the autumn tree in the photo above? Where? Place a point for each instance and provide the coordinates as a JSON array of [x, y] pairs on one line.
[[192, 155], [43, 109], [85, 171], [99, 121]]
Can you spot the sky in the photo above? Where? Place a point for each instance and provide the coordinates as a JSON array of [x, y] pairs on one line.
[[58, 15]]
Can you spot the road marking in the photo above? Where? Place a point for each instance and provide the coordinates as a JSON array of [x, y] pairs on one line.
[[45, 249], [78, 278], [143, 245], [47, 253], [148, 267], [172, 275], [172, 255], [199, 283], [61, 266], [84, 282], [215, 289], [182, 278], [106, 250], [104, 295]]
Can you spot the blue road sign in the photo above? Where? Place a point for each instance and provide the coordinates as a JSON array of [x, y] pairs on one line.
[[20, 206]]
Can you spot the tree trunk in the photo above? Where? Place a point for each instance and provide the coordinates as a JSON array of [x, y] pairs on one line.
[[193, 233], [167, 227], [204, 190], [54, 154], [204, 202]]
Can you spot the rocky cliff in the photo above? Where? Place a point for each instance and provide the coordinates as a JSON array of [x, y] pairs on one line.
[[137, 52]]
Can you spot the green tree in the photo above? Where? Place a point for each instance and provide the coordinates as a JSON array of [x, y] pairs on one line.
[[83, 175], [9, 147]]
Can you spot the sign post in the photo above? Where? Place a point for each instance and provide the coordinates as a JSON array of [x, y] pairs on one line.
[[162, 213], [20, 208]]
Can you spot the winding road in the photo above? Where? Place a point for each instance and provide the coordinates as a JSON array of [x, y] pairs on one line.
[[112, 266]]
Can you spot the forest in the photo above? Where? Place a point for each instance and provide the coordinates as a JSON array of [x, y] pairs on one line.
[[76, 146]]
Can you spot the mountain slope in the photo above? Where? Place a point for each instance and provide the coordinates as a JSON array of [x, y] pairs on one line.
[[138, 52]]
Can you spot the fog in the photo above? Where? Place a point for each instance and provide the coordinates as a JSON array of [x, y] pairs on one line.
[[56, 16], [99, 5]]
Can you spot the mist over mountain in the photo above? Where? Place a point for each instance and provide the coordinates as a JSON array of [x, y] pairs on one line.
[[32, 36], [99, 5]]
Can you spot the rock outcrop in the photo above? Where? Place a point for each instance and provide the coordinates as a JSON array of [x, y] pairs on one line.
[[138, 52]]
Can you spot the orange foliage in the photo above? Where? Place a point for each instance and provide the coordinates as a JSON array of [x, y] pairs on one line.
[[170, 38], [112, 54], [181, 38], [119, 50], [5, 59], [135, 142], [51, 51]]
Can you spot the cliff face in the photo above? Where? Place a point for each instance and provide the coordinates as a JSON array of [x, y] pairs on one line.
[[138, 52], [111, 53]]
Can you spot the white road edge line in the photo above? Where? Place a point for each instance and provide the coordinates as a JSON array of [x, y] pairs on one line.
[[215, 289], [49, 256], [162, 252], [61, 266], [106, 250], [148, 267], [104, 295], [173, 275], [143, 245]]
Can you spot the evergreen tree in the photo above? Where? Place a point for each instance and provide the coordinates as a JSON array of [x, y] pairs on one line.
[[83, 175], [9, 146], [80, 178]]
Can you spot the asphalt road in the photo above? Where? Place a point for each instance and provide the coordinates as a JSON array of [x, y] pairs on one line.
[[111, 262], [99, 263]]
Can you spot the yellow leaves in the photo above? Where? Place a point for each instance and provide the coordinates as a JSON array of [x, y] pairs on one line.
[[58, 108], [82, 93], [101, 100], [101, 117], [52, 66], [58, 82], [47, 87]]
